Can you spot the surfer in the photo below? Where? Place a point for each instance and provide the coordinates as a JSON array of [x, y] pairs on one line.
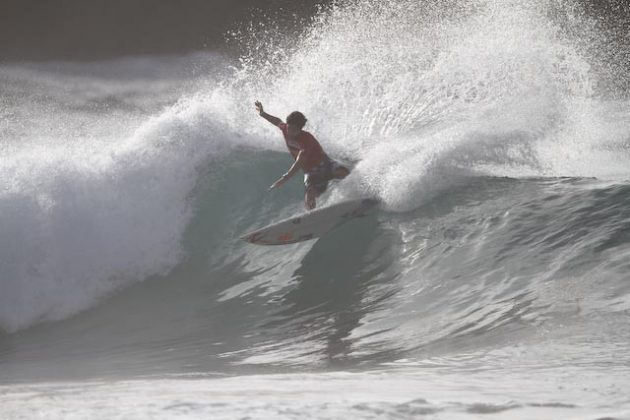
[[308, 155]]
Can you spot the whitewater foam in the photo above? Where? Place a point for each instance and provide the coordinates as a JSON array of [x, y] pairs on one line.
[[85, 216], [423, 93]]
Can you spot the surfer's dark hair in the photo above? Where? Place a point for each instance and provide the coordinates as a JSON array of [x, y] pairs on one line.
[[296, 118]]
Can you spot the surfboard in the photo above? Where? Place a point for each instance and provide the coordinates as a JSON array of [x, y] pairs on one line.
[[310, 225]]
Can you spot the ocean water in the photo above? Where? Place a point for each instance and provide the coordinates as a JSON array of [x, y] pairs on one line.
[[492, 281]]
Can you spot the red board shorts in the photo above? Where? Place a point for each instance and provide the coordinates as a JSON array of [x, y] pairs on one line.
[[318, 177]]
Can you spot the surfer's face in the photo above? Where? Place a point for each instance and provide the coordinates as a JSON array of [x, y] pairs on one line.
[[293, 130]]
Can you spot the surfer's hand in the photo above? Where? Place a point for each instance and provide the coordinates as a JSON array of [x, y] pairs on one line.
[[259, 107], [279, 182]]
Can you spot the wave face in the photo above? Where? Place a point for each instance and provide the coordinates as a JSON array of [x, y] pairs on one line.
[[485, 128]]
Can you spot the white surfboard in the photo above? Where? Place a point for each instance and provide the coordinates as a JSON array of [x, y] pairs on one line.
[[310, 225]]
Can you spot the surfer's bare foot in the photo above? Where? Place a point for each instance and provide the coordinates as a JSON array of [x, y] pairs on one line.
[[341, 172]]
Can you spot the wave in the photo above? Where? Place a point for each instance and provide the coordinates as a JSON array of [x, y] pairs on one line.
[[81, 213], [463, 119], [489, 264]]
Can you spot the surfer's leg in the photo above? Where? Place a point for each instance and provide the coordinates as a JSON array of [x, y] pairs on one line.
[[337, 171], [314, 186], [310, 198], [340, 172]]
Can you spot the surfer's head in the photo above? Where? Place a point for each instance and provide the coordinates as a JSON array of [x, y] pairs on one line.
[[296, 121]]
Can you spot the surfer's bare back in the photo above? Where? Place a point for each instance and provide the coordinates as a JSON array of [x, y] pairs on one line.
[[308, 155]]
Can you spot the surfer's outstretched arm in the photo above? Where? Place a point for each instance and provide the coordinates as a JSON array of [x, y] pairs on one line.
[[294, 168], [273, 120]]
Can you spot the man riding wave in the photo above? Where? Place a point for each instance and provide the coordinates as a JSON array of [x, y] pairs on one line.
[[308, 155]]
